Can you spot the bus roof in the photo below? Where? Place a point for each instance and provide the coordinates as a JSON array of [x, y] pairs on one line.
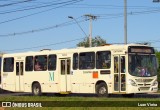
[[78, 49]]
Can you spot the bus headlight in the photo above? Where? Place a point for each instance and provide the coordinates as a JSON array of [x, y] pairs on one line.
[[130, 81], [155, 83]]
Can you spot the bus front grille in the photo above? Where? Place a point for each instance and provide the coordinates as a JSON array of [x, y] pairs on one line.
[[144, 88]]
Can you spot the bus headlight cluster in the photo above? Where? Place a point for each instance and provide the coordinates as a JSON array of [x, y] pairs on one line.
[[155, 83], [130, 81]]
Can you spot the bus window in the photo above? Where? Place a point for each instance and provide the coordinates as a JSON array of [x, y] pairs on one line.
[[68, 66], [29, 63], [52, 59], [8, 64], [123, 64], [40, 63], [87, 60], [116, 67], [75, 61], [21, 68], [17, 68], [103, 60], [62, 67]]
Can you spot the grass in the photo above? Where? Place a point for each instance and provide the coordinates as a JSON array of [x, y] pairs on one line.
[[54, 98], [81, 99]]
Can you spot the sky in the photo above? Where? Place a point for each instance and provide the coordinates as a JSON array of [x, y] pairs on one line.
[[33, 25]]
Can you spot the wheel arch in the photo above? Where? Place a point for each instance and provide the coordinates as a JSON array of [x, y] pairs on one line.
[[34, 82], [100, 81], [36, 88]]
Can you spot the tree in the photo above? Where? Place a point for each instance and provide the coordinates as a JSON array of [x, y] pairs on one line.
[[96, 41]]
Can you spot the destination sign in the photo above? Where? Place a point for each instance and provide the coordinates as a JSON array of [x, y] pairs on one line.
[[147, 50]]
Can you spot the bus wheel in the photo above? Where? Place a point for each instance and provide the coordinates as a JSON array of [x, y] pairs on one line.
[[102, 90], [36, 89]]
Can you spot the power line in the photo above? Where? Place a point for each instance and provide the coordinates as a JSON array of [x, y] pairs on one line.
[[109, 6], [114, 6], [9, 4], [67, 3], [44, 2], [132, 13], [150, 41], [84, 6], [99, 16], [47, 45], [43, 29], [29, 6], [112, 16], [35, 7], [77, 6], [8, 0]]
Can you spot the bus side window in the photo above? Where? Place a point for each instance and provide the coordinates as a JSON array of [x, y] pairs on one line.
[[123, 64], [29, 63], [8, 64], [103, 60], [40, 63], [52, 59], [75, 61], [87, 60], [116, 67], [17, 68]]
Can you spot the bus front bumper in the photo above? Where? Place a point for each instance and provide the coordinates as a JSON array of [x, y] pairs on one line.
[[141, 89]]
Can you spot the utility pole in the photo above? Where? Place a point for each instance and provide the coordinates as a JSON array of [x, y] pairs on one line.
[[91, 17], [125, 21]]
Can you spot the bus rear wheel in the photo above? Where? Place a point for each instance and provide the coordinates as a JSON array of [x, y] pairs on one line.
[[36, 89], [102, 90]]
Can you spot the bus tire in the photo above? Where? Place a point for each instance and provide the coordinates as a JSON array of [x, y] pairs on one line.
[[36, 89], [102, 90]]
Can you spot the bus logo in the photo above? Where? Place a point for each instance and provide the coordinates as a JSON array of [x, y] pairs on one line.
[[51, 76]]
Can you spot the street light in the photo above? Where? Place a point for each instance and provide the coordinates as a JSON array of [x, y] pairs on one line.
[[78, 25]]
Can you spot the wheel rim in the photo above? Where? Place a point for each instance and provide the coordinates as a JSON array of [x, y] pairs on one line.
[[36, 90], [102, 90]]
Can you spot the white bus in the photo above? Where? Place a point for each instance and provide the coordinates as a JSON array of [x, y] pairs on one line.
[[111, 69]]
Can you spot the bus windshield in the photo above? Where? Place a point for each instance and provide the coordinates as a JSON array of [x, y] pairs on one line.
[[142, 65]]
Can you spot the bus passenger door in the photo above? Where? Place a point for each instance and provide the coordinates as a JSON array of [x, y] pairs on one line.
[[19, 76], [119, 74], [65, 69]]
